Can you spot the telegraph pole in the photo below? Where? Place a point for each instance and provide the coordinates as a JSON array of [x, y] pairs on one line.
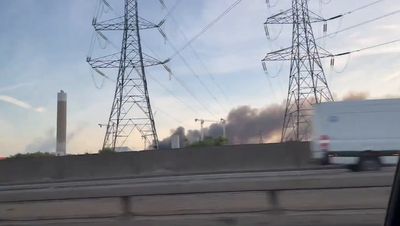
[[307, 81]]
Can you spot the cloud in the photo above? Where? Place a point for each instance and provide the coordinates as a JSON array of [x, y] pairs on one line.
[[40, 109], [16, 86], [20, 103]]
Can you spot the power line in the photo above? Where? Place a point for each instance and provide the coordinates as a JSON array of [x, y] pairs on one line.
[[377, 45], [195, 53], [182, 84], [348, 53], [367, 48], [185, 62], [362, 7], [172, 9], [172, 93], [208, 26], [354, 10], [98, 86], [169, 115], [193, 95], [360, 24]]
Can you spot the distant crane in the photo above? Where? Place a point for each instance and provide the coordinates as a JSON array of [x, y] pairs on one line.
[[202, 121]]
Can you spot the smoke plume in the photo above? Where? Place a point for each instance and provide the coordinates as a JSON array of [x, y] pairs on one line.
[[244, 124], [47, 143], [166, 142], [355, 96]]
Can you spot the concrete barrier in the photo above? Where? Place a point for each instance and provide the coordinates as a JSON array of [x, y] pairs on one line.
[[329, 199], [54, 209], [249, 201], [237, 158], [200, 203]]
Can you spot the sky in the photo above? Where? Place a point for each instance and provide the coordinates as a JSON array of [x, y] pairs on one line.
[[44, 45]]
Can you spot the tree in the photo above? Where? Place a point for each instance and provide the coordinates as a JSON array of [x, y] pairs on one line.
[[106, 151], [210, 142], [32, 155]]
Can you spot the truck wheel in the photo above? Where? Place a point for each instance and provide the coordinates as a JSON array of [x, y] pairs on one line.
[[325, 160], [369, 164], [353, 168]]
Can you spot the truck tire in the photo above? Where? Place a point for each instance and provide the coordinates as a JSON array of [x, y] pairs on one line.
[[325, 160], [368, 164]]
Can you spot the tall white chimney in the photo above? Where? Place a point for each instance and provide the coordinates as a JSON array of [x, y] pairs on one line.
[[61, 123]]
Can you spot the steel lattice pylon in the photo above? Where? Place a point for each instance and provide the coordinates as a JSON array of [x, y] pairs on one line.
[[131, 109], [307, 81]]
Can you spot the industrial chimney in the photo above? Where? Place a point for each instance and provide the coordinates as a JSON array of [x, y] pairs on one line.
[[61, 123]]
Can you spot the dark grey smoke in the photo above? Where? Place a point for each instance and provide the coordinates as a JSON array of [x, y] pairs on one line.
[[214, 130], [250, 125], [244, 125], [166, 142], [193, 136]]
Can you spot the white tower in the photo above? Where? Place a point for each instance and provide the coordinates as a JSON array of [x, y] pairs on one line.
[[61, 123]]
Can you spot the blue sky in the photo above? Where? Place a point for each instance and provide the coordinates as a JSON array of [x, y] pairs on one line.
[[44, 44]]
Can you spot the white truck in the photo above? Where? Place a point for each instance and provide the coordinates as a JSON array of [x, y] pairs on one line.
[[363, 135]]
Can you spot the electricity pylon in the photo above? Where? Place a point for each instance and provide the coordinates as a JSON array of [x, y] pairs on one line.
[[131, 109], [307, 81]]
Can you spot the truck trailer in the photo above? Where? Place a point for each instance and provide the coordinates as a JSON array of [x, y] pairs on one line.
[[363, 135]]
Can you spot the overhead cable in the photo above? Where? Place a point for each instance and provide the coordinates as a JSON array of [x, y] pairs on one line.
[[360, 24], [208, 26]]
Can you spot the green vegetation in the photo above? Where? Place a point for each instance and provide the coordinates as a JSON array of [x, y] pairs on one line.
[[209, 142], [106, 151], [32, 155]]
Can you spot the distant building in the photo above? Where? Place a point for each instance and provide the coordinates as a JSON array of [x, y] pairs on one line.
[[175, 143]]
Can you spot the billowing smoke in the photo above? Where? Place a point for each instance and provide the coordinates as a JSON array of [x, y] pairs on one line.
[[355, 96], [246, 124], [47, 143], [243, 125], [193, 136], [166, 142]]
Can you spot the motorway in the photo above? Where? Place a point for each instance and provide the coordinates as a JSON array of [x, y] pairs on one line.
[[296, 197]]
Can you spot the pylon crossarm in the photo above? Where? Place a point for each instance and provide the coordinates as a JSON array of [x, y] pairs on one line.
[[279, 55], [118, 23]]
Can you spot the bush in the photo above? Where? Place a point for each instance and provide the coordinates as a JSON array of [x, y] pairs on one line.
[[32, 155], [209, 142], [106, 151]]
